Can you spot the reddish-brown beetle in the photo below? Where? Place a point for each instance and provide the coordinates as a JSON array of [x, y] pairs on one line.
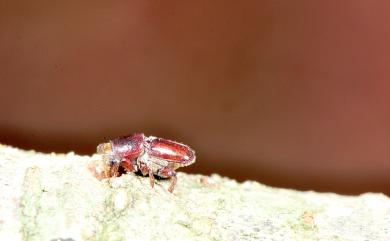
[[150, 155]]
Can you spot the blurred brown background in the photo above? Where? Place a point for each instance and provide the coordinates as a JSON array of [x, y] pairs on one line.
[[290, 93]]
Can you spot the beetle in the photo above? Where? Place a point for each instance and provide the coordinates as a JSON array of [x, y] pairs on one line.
[[150, 155]]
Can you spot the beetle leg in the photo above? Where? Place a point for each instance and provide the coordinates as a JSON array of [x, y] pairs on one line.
[[144, 169], [168, 172], [151, 178], [128, 165], [173, 182]]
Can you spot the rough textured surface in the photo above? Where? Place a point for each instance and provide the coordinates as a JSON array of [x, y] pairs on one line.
[[57, 196]]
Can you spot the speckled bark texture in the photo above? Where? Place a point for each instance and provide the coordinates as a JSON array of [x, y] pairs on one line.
[[61, 197]]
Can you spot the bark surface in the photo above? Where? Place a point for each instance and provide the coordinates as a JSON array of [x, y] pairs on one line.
[[63, 197]]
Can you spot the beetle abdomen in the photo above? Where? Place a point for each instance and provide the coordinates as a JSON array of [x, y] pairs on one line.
[[170, 151]]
